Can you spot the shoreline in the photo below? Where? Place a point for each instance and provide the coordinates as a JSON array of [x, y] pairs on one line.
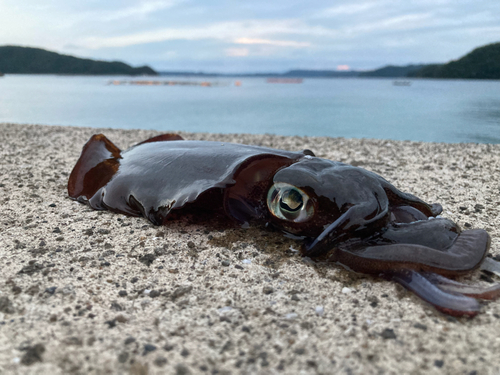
[[94, 292]]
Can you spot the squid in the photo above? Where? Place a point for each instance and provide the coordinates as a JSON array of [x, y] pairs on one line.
[[340, 213]]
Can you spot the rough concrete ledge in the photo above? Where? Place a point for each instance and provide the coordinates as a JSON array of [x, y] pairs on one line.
[[86, 292]]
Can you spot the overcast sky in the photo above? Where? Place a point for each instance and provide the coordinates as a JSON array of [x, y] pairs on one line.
[[254, 35]]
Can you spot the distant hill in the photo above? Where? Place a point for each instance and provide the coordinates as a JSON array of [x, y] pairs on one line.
[[481, 63], [27, 60], [392, 71]]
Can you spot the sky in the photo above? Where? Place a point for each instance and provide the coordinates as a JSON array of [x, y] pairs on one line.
[[254, 35]]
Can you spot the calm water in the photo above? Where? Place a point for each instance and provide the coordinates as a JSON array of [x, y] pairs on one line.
[[427, 110]]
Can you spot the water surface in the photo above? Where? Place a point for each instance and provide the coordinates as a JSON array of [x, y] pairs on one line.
[[427, 110]]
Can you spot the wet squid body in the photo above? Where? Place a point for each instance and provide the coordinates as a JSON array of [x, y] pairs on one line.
[[343, 213]]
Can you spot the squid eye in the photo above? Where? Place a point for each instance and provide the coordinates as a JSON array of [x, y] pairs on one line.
[[288, 202]]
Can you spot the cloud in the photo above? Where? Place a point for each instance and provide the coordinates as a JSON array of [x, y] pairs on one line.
[[237, 52], [140, 10], [260, 32], [248, 32], [278, 43], [398, 23], [348, 9]]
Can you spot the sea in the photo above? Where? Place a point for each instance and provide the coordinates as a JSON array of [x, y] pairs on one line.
[[451, 111]]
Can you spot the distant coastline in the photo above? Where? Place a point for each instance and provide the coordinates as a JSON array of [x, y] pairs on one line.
[[388, 71], [481, 63]]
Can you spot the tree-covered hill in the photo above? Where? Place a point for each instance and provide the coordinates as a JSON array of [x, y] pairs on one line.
[[27, 60], [482, 63]]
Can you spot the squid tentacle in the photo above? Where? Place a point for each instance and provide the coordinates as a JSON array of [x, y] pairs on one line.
[[474, 291], [429, 288], [491, 265]]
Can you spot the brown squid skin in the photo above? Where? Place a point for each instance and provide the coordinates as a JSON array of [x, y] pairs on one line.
[[357, 219]]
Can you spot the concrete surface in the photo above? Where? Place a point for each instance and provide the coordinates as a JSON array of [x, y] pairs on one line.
[[86, 292]]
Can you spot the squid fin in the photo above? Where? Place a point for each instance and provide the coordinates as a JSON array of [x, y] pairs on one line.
[[163, 138], [96, 166]]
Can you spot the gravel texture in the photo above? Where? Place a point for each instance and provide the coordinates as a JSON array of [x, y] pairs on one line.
[[86, 292]]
